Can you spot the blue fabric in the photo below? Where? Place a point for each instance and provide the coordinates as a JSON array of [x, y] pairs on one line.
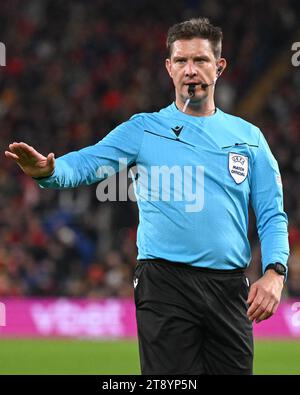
[[215, 167]]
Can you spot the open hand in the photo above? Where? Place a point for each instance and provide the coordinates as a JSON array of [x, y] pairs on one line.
[[31, 162]]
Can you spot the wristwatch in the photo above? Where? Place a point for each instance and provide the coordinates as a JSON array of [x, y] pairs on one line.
[[278, 267]]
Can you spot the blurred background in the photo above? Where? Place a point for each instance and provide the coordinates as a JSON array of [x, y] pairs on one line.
[[74, 70]]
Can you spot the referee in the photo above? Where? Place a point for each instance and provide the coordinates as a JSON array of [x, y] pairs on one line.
[[194, 306]]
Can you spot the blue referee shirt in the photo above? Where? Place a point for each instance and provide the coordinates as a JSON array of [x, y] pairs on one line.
[[196, 178]]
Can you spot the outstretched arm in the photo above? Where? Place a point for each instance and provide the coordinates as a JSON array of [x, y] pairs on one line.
[[92, 164], [31, 161]]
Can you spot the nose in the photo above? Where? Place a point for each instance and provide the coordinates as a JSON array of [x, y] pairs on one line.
[[190, 70]]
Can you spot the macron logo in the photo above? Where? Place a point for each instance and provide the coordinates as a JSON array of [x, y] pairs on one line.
[[177, 130]]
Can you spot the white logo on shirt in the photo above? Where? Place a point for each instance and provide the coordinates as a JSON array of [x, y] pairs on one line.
[[238, 167], [135, 283]]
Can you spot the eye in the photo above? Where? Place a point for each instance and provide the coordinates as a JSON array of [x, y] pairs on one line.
[[200, 60]]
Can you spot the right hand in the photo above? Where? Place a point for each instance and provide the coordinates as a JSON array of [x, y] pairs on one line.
[[31, 162]]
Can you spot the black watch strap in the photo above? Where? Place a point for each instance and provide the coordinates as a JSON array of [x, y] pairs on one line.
[[278, 267]]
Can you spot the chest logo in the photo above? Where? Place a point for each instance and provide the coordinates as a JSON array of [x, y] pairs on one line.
[[238, 167], [177, 130]]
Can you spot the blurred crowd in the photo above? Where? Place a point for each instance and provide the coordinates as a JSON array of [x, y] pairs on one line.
[[75, 70]]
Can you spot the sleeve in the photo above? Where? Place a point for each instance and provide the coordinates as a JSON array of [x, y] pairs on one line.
[[267, 202], [113, 153]]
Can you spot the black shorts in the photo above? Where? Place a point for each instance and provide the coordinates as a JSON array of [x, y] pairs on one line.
[[192, 320]]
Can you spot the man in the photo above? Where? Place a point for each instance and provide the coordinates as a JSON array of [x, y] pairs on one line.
[[193, 308]]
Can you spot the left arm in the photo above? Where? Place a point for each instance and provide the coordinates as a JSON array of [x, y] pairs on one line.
[[267, 202]]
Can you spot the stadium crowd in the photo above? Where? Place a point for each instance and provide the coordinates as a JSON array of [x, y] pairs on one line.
[[74, 71]]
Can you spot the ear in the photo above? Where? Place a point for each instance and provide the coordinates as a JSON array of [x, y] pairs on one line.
[[168, 67], [221, 66]]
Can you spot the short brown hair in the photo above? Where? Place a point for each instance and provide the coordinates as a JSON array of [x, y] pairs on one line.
[[196, 28]]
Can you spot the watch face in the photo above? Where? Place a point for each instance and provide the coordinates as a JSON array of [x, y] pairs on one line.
[[279, 268]]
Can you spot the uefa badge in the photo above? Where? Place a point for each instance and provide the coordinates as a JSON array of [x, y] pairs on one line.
[[238, 167]]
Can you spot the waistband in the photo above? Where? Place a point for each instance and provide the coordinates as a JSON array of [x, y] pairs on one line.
[[187, 266]]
